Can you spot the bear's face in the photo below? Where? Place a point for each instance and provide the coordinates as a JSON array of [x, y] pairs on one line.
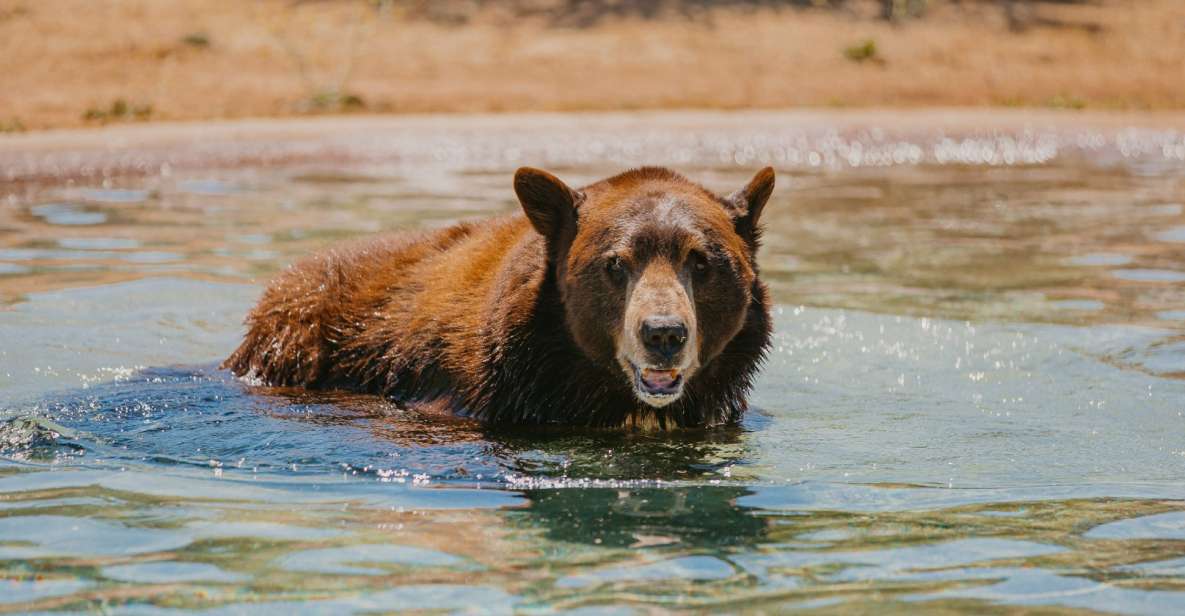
[[655, 272]]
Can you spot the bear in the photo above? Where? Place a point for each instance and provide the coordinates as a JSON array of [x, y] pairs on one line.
[[632, 302]]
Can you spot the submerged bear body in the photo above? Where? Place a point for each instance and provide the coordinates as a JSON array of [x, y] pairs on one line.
[[631, 302]]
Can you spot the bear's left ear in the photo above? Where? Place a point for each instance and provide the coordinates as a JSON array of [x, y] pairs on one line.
[[745, 205], [549, 204]]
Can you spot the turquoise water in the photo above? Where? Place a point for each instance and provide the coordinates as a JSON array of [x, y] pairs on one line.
[[974, 401]]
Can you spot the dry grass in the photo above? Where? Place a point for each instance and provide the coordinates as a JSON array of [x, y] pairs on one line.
[[71, 62]]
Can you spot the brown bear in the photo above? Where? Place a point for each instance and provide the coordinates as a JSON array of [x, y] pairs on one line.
[[633, 301]]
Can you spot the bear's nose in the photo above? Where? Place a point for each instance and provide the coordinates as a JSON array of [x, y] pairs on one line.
[[664, 335]]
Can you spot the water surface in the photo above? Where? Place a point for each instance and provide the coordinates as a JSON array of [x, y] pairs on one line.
[[975, 397]]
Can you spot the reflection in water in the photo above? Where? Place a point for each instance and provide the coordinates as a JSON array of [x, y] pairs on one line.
[[693, 546], [973, 401], [703, 517], [550, 459]]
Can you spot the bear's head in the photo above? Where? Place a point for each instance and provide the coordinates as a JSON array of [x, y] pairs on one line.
[[656, 273]]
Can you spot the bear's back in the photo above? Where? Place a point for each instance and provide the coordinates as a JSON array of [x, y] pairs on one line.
[[339, 318]]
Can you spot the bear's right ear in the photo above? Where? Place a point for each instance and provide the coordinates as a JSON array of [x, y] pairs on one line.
[[549, 204], [745, 205]]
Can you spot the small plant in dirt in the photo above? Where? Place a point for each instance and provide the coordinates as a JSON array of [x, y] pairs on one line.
[[119, 111], [1066, 102], [862, 52], [898, 10], [13, 125], [334, 101], [199, 40], [13, 12], [330, 93]]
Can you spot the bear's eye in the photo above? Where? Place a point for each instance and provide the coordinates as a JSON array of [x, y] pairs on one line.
[[700, 266], [615, 269]]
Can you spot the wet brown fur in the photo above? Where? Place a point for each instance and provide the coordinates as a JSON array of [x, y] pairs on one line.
[[495, 321]]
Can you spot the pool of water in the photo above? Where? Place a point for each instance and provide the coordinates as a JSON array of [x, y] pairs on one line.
[[975, 398]]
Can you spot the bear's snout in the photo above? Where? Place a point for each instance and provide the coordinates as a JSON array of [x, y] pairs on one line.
[[658, 350], [663, 336]]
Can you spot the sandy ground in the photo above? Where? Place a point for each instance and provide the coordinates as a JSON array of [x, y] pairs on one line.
[[69, 63]]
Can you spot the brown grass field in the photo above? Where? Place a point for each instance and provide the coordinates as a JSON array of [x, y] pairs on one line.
[[67, 63]]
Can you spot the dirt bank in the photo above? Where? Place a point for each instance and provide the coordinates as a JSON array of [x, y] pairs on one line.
[[71, 63]]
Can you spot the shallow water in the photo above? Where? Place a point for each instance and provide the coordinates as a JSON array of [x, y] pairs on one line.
[[974, 399]]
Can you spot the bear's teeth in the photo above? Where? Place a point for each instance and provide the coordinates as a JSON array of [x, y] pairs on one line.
[[659, 376]]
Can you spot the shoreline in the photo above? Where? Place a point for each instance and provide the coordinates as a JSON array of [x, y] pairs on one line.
[[904, 119], [487, 140]]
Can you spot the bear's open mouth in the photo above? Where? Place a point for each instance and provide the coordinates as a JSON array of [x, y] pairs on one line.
[[657, 387]]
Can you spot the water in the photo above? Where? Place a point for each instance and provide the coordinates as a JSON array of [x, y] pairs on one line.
[[975, 396]]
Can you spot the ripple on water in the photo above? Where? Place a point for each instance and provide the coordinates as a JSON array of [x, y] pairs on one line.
[[52, 503], [170, 572], [13, 269], [113, 195], [33, 254], [67, 214], [347, 560], [1046, 588], [449, 598], [1100, 259], [208, 187], [1160, 568], [1176, 234], [43, 536], [690, 568], [19, 591], [258, 239], [1078, 304], [899, 562], [1160, 526], [1149, 275], [261, 530], [150, 257], [98, 243], [1166, 209]]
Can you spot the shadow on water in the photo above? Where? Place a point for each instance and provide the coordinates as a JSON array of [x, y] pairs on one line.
[[204, 417]]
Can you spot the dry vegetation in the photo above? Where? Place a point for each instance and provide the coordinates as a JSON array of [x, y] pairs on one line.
[[80, 62]]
